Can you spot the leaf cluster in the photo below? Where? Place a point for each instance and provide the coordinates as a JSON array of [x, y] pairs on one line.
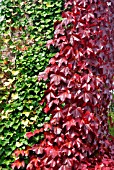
[[78, 93], [25, 28]]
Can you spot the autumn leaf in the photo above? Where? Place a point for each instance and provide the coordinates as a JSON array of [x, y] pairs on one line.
[[69, 124], [56, 79], [65, 95]]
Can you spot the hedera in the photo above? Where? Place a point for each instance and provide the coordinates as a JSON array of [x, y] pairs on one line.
[[111, 116], [24, 29], [78, 93]]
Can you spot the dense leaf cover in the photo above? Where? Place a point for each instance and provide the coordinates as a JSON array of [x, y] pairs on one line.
[[78, 93], [25, 27]]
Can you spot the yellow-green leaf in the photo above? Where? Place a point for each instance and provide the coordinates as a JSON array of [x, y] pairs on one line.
[[14, 96], [6, 40], [1, 75], [18, 144], [15, 72], [26, 113], [49, 5]]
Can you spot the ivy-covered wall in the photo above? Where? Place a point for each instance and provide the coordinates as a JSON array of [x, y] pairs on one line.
[[25, 27]]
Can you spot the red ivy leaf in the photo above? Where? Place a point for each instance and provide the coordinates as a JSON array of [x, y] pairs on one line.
[[71, 83], [61, 61], [65, 95], [29, 134], [33, 164], [66, 71], [59, 140], [88, 116], [18, 152], [68, 3], [52, 61], [69, 124], [18, 164], [44, 75], [56, 101], [46, 109], [89, 51], [74, 39], [49, 42], [64, 167], [88, 16], [50, 96], [86, 97], [47, 127], [57, 130], [58, 115], [51, 151], [86, 78], [37, 131], [37, 149], [87, 86], [56, 79], [76, 111]]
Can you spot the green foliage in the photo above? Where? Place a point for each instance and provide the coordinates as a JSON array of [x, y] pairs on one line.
[[111, 127], [25, 28]]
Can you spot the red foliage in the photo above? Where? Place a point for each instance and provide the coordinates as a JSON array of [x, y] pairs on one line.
[[78, 94]]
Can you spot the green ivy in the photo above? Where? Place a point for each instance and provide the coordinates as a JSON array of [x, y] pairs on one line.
[[25, 28], [111, 128]]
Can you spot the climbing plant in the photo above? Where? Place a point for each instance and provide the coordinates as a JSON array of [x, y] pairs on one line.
[[25, 27], [80, 77]]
